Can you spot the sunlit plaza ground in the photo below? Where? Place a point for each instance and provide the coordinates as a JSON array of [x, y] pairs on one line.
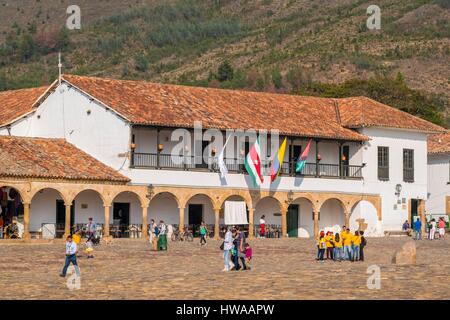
[[282, 269]]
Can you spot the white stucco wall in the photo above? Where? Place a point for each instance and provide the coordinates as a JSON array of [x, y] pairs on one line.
[[438, 183], [396, 140], [64, 114]]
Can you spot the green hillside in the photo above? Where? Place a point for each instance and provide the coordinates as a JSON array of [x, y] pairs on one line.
[[315, 47]]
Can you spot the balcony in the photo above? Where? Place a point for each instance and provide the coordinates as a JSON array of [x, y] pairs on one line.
[[166, 161]]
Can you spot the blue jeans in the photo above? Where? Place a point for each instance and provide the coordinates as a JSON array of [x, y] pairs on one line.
[[348, 254], [338, 253], [418, 234], [236, 259], [226, 258], [321, 253], [355, 253], [71, 259]]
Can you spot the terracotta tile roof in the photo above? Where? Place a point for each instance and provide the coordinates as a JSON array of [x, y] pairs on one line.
[[179, 106], [16, 103], [51, 159], [364, 112], [439, 143]]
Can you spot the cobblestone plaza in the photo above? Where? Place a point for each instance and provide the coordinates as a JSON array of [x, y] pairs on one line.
[[282, 269]]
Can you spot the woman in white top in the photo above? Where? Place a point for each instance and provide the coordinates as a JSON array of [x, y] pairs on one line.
[[432, 229], [227, 246]]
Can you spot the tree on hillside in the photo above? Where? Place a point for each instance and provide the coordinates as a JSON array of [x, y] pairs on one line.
[[225, 72]]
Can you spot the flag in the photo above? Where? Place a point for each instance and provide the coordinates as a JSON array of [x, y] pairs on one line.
[[253, 164], [278, 162], [222, 166], [302, 160]]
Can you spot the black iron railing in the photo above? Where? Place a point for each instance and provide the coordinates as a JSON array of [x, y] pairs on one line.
[[236, 165]]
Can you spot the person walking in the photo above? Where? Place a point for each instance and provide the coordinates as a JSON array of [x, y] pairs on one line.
[[418, 229], [203, 233], [262, 226], [71, 257], [239, 242], [227, 246], [441, 228], [432, 230], [151, 230], [162, 237]]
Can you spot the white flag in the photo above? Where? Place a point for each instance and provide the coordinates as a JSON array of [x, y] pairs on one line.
[[222, 166]]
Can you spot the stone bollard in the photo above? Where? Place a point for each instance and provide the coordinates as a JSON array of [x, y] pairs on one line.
[[406, 255]]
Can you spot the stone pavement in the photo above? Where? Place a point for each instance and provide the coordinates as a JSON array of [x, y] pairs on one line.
[[283, 269]]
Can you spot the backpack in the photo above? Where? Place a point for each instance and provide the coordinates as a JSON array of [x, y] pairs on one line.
[[156, 231]]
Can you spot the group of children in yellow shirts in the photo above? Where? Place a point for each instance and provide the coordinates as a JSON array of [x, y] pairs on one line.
[[341, 246]]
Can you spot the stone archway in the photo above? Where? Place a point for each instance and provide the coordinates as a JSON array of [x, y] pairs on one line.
[[12, 207], [200, 207], [305, 223], [165, 206], [332, 215], [126, 215], [364, 216], [90, 203], [50, 223], [272, 210]]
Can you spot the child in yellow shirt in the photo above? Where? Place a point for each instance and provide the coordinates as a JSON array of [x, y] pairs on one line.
[[329, 240], [338, 248], [322, 244]]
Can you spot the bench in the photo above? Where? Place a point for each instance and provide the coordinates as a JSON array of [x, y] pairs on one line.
[[397, 233]]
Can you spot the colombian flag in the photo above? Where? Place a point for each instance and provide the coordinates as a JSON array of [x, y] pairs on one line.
[[278, 162]]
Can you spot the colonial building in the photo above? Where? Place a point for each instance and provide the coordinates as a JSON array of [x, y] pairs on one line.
[[367, 166], [438, 202]]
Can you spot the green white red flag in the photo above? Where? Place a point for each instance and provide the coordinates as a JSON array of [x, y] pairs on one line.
[[253, 164]]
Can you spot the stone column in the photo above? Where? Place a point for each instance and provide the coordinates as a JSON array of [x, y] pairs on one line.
[[347, 218], [26, 221], [181, 223], [144, 223], [216, 224], [421, 211], [316, 224], [251, 223], [106, 224], [284, 222], [67, 222]]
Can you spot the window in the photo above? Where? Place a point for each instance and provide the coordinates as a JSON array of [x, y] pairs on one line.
[[408, 165], [383, 163]]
